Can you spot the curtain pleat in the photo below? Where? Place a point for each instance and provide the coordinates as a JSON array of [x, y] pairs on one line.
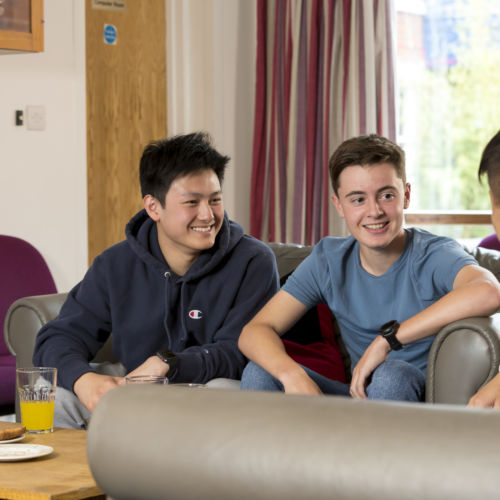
[[324, 73]]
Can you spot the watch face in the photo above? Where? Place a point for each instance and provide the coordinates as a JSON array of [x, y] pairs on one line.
[[170, 359], [165, 354], [389, 327]]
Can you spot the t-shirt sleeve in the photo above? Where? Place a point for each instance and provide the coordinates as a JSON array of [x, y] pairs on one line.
[[307, 283], [438, 265]]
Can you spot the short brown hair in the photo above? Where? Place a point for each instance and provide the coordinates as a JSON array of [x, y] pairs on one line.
[[490, 165], [365, 150]]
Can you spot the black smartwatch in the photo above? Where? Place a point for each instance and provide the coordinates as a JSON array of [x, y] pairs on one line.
[[388, 331], [170, 358]]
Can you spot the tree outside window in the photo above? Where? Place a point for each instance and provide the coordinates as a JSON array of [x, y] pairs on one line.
[[449, 101]]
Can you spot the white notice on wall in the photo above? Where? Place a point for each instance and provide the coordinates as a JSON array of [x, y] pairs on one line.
[[120, 5]]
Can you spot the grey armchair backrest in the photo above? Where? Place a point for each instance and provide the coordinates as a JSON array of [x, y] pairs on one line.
[[24, 319]]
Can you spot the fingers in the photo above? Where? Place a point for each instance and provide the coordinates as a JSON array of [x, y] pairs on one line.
[[358, 384], [476, 402], [488, 396], [299, 382]]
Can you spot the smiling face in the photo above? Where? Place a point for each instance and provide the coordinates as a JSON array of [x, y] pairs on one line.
[[371, 199], [192, 216]]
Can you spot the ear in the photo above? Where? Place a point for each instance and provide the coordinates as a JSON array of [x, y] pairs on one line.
[[338, 206], [407, 195], [493, 202], [152, 206]]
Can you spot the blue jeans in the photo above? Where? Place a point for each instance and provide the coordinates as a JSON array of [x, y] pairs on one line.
[[393, 380]]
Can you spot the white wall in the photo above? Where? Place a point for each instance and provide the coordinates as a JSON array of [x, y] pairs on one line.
[[43, 173], [43, 194]]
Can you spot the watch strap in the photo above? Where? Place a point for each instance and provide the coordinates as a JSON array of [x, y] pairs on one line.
[[388, 331], [170, 358]]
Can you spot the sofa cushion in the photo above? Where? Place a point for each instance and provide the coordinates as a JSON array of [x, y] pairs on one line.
[[311, 343]]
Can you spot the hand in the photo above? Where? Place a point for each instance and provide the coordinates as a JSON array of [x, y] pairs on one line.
[[375, 354], [299, 382], [152, 366], [488, 396], [91, 387]]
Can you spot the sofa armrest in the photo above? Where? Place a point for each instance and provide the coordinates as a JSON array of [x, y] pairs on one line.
[[155, 441], [464, 356], [24, 319]]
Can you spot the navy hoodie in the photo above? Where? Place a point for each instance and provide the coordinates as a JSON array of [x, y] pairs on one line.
[[130, 291]]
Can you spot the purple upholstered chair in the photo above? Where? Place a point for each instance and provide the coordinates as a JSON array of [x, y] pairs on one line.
[[23, 272], [491, 242]]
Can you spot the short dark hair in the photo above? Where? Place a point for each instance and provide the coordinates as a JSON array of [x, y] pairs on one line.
[[490, 165], [164, 160], [365, 150]]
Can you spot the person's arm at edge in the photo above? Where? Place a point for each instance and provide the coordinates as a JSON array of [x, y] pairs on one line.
[[488, 396], [476, 292], [260, 341]]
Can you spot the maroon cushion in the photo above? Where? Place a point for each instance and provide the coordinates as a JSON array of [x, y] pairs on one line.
[[321, 354]]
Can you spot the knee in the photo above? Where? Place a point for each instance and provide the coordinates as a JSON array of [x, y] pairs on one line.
[[69, 412], [255, 378], [397, 380]]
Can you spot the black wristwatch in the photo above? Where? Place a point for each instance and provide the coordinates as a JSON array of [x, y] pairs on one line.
[[170, 358], [388, 331]]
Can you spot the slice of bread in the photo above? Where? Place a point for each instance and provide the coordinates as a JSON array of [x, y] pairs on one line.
[[11, 431]]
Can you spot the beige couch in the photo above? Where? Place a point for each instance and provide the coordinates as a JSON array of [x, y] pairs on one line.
[[166, 442]]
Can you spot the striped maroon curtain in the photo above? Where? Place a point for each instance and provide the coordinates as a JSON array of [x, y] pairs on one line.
[[325, 72]]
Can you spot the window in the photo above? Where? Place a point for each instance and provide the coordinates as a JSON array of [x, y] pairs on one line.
[[449, 105]]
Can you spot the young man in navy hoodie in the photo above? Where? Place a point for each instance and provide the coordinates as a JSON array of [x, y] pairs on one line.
[[175, 294]]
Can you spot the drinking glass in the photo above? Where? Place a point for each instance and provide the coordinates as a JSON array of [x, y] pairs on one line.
[[190, 384], [146, 379], [36, 388]]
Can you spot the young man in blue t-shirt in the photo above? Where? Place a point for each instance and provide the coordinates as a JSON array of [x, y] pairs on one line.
[[390, 288]]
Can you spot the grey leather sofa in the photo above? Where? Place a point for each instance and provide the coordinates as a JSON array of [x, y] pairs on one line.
[[464, 355], [166, 442]]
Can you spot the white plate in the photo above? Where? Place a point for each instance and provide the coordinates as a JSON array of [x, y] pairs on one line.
[[13, 440], [16, 452]]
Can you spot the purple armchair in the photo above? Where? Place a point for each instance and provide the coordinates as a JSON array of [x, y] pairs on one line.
[[23, 272], [490, 242]]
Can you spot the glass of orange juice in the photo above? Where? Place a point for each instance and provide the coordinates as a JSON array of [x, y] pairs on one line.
[[36, 388]]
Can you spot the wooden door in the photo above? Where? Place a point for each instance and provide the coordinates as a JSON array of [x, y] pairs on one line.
[[126, 109]]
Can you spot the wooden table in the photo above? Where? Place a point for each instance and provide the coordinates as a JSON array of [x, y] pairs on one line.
[[64, 474]]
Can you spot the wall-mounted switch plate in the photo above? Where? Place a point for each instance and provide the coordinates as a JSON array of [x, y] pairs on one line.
[[35, 117], [19, 117]]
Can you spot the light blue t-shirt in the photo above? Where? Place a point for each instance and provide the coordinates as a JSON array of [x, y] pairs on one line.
[[361, 302]]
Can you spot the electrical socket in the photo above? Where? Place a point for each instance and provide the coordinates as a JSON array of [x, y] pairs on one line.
[[35, 117]]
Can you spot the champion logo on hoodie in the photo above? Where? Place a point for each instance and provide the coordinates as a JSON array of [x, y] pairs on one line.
[[195, 314]]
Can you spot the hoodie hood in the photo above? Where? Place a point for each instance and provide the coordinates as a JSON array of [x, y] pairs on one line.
[[142, 237]]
